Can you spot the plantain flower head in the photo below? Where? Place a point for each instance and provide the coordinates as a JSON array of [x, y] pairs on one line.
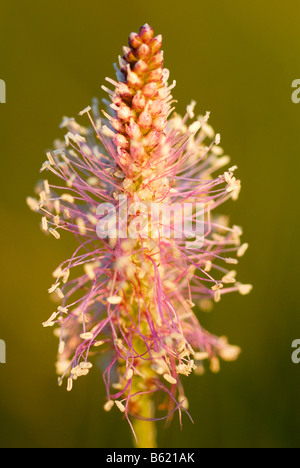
[[140, 187]]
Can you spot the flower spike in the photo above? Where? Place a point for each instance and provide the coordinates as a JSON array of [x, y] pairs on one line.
[[139, 187]]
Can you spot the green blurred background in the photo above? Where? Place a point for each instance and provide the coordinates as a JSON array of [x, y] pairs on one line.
[[236, 59]]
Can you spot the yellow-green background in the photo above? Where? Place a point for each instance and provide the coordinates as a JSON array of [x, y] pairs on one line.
[[238, 60]]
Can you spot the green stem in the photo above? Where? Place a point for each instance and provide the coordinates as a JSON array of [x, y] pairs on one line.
[[145, 430]]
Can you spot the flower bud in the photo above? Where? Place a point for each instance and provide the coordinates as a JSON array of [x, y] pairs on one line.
[[155, 107], [157, 60], [134, 40], [159, 123], [118, 125], [152, 139], [128, 55], [162, 93], [155, 75], [149, 90], [133, 130], [138, 101], [124, 158], [145, 121], [143, 51], [123, 65], [124, 113], [146, 33], [124, 91], [117, 100], [121, 141], [156, 44], [141, 67], [133, 80]]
